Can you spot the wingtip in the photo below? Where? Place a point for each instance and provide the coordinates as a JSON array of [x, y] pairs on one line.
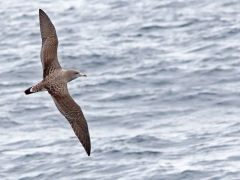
[[88, 153], [88, 150], [41, 11], [87, 147]]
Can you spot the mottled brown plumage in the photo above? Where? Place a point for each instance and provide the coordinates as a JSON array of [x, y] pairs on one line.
[[55, 81]]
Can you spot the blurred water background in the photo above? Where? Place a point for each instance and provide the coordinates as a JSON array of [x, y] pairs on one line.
[[162, 96]]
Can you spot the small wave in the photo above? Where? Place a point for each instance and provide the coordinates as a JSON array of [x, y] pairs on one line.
[[166, 26]]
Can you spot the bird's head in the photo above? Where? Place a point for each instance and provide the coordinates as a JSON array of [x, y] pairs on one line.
[[74, 74]]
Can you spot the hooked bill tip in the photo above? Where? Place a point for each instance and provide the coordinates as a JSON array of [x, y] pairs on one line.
[[82, 75]]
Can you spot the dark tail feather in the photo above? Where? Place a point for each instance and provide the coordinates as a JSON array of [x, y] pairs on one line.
[[28, 91]]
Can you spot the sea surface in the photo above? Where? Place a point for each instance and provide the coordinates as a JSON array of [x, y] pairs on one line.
[[162, 96]]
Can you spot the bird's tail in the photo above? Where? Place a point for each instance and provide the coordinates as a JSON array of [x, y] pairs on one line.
[[37, 88], [28, 91]]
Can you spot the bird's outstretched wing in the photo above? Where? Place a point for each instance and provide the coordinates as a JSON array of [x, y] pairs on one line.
[[73, 113], [49, 45]]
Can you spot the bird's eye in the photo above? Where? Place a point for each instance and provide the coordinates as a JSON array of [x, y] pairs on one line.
[[76, 72]]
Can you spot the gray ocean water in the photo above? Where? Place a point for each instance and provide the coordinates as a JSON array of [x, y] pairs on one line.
[[162, 96]]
